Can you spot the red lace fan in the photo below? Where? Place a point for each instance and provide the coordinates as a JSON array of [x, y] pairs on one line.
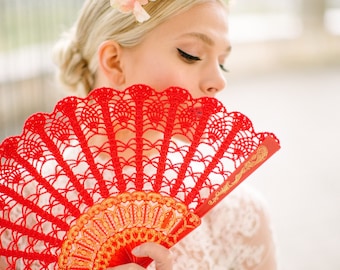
[[81, 187]]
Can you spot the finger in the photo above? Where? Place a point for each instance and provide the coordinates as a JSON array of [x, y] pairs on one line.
[[161, 255], [129, 266]]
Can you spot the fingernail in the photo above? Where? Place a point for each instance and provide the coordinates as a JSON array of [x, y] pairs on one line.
[[136, 251]]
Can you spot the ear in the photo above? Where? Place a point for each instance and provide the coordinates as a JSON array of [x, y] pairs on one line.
[[109, 58]]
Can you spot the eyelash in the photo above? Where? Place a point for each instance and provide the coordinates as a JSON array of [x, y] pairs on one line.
[[188, 57], [191, 58], [224, 69]]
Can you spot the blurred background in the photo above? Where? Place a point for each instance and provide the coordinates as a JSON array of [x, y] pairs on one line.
[[284, 75]]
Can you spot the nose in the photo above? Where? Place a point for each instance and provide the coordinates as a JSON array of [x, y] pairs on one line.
[[213, 81]]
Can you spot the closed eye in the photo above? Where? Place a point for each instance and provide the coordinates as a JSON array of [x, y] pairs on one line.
[[191, 58], [188, 57]]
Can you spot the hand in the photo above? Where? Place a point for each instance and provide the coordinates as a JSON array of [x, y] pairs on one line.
[[161, 256]]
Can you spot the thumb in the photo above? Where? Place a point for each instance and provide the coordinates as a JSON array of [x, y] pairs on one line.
[[160, 254]]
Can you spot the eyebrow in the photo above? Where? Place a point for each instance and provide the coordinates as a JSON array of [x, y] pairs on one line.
[[206, 39]]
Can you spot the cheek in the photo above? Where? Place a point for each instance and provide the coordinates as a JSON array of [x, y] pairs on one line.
[[161, 74], [157, 75]]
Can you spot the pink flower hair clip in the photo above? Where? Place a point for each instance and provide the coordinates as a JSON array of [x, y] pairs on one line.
[[134, 6]]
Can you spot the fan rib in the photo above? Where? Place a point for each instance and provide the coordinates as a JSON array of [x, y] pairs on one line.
[[60, 159], [49, 188], [218, 155], [121, 185], [139, 145], [191, 151], [47, 258], [270, 143], [30, 232], [36, 209], [165, 146], [88, 154]]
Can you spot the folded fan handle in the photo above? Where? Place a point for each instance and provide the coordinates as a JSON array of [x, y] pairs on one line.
[[264, 151], [142, 261]]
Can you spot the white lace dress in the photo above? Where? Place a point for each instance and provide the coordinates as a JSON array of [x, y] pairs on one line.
[[235, 235]]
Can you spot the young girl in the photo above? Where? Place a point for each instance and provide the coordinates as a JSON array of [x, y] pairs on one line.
[[165, 43]]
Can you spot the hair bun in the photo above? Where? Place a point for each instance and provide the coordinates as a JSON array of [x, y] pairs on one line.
[[73, 71]]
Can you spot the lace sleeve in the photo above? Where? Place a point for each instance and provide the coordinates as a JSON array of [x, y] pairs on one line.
[[235, 235]]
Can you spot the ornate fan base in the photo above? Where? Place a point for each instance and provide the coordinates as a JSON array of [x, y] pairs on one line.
[[105, 235]]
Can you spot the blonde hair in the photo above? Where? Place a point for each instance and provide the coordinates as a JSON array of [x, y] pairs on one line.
[[75, 53]]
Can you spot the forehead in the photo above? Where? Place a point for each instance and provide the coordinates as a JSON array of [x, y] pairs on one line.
[[208, 19]]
